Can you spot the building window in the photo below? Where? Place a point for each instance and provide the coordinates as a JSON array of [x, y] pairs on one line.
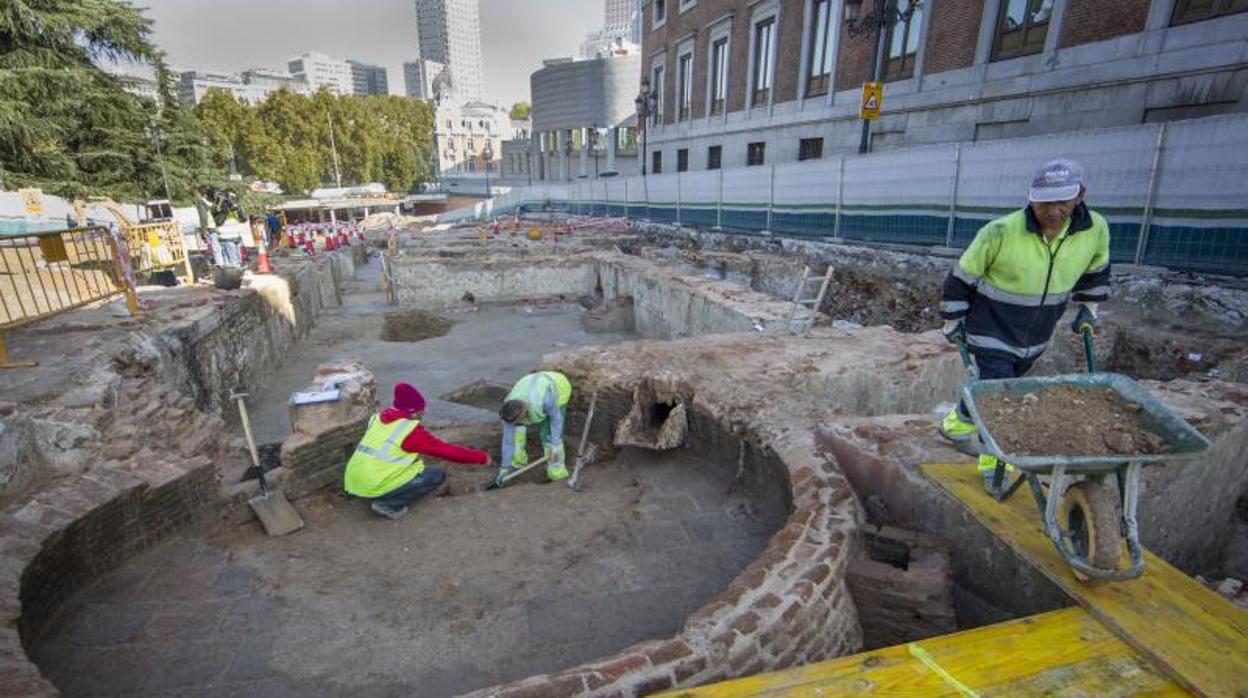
[[719, 75], [764, 33], [1021, 28], [656, 162], [810, 149], [1196, 10], [902, 45], [755, 153], [657, 86], [626, 138], [687, 4], [820, 71], [684, 85], [682, 160], [714, 154], [660, 13]]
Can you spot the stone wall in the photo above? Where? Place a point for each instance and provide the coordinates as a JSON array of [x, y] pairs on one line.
[[156, 460], [239, 345], [431, 282]]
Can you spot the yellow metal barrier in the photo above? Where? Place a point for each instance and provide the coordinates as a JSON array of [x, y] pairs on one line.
[[156, 246], [45, 274]]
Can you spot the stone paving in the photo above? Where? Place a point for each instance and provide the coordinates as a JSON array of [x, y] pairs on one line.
[[355, 605]]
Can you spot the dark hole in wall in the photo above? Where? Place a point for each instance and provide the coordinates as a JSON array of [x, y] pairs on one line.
[[658, 414], [270, 458], [890, 552]]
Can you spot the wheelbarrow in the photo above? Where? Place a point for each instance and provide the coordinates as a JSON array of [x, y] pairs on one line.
[[1085, 514]]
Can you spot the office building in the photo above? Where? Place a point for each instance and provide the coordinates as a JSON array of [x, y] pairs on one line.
[[319, 70], [368, 79], [449, 33]]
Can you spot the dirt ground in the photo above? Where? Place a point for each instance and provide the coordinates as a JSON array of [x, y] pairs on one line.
[[461, 593], [1069, 421]]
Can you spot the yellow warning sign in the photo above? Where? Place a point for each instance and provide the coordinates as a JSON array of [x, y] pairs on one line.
[[872, 97], [33, 199]]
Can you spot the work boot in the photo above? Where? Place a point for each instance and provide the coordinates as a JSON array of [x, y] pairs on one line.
[[954, 428], [988, 469], [557, 472], [388, 511]]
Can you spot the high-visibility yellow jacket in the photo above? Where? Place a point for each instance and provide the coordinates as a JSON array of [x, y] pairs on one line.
[[1011, 286], [379, 464], [545, 395]]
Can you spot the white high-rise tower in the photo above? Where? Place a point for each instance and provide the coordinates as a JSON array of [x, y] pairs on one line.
[[449, 32]]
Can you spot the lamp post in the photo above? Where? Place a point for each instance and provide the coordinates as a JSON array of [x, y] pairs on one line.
[[488, 154], [645, 103], [884, 14]]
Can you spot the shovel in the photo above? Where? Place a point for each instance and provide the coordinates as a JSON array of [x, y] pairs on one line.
[[583, 456], [277, 515], [512, 476]]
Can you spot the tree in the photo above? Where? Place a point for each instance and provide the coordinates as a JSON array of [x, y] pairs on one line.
[[69, 127], [520, 111]]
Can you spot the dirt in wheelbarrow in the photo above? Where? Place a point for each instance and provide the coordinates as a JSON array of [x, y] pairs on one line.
[[1068, 421]]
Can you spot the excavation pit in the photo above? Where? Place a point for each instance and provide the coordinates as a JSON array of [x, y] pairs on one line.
[[485, 395], [413, 326], [460, 594]]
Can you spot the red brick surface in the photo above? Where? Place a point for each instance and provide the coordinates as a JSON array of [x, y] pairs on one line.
[[1095, 20], [953, 32]]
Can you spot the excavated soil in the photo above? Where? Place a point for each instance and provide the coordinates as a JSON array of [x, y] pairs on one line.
[[868, 297], [413, 326], [1067, 421]]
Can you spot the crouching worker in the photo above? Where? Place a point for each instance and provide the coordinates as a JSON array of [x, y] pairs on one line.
[[541, 399], [387, 468]]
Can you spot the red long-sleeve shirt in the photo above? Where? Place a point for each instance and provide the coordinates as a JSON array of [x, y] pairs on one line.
[[423, 442]]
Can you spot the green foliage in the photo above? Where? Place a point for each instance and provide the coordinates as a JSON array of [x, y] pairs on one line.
[[286, 138], [67, 126], [521, 111]]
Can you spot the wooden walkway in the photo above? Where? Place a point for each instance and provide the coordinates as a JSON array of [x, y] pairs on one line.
[[1161, 634], [1063, 652], [1199, 638]]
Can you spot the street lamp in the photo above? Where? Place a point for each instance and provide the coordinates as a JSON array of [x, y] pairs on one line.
[[593, 146], [488, 154], [646, 103], [884, 14]]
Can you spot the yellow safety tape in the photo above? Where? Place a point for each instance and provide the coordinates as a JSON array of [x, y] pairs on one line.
[[930, 662]]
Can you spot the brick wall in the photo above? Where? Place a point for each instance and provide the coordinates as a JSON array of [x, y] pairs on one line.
[[853, 60], [790, 606], [1094, 20], [788, 51], [903, 587], [953, 32]]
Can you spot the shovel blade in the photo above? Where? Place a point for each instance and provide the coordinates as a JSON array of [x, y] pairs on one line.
[[277, 514]]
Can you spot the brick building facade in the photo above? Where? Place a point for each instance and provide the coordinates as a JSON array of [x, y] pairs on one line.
[[742, 82]]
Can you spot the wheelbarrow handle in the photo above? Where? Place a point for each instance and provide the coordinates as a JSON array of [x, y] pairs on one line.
[[1089, 349], [971, 371]]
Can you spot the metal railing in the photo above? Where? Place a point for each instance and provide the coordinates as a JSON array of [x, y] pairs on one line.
[[157, 246], [46, 274]]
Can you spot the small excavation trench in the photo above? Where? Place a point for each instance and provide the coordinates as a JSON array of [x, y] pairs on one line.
[[413, 326]]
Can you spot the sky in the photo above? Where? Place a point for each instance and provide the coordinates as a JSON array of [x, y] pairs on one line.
[[233, 35]]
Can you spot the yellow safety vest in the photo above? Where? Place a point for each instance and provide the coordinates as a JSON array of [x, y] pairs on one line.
[[379, 464], [532, 390]]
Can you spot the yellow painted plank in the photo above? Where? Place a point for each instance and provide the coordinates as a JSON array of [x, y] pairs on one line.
[[1061, 653], [1194, 634]]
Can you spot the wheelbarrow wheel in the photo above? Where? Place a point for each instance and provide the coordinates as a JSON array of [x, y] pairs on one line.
[[1092, 522]]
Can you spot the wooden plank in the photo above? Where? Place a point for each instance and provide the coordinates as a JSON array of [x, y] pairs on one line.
[[1064, 652], [1198, 637]]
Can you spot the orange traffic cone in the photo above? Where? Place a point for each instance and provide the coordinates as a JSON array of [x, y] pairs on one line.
[[262, 258]]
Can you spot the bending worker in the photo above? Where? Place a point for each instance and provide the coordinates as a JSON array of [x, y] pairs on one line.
[[538, 398], [387, 468], [1009, 289]]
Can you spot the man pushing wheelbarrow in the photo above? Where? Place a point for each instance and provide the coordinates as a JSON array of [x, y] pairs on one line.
[[1001, 303]]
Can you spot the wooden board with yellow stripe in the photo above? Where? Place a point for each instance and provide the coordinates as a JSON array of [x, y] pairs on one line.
[[1199, 638], [1064, 652]]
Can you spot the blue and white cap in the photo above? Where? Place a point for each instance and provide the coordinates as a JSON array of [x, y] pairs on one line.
[[1056, 180]]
